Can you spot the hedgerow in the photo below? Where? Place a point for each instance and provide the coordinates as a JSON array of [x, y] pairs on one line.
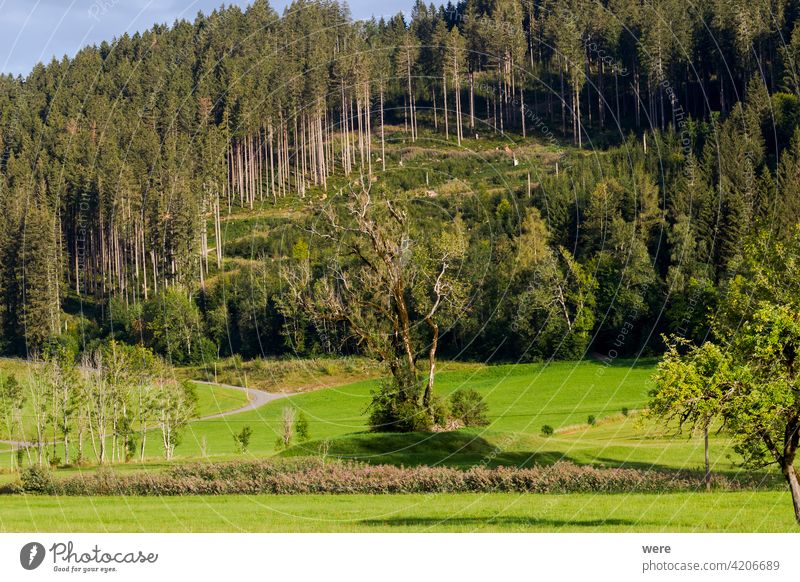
[[305, 476]]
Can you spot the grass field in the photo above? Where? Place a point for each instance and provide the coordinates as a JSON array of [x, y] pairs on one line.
[[521, 399], [217, 399], [497, 512]]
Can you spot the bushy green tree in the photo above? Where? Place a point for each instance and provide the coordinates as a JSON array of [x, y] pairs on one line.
[[751, 379], [385, 276], [692, 388], [242, 439], [554, 296]]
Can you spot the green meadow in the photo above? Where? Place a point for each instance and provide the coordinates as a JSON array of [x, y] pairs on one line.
[[521, 398], [765, 511]]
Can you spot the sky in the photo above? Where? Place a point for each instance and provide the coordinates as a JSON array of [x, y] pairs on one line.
[[33, 31]]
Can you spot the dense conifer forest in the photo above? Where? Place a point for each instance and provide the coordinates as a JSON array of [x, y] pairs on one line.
[[166, 188]]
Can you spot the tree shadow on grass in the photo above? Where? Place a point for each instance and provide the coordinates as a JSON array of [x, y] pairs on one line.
[[499, 521], [464, 449], [755, 477], [456, 449]]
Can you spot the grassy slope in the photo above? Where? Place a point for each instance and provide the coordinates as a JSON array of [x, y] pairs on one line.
[[521, 399], [478, 168], [686, 512], [285, 375], [217, 399]]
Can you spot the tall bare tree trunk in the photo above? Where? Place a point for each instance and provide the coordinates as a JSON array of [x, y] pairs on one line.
[[471, 100], [446, 123], [383, 137], [428, 394], [708, 464], [144, 441]]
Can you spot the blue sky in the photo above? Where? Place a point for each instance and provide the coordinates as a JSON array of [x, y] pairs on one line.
[[36, 30]]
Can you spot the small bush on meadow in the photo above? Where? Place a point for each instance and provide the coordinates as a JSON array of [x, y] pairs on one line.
[[440, 410], [468, 406], [389, 414], [547, 430], [301, 428], [36, 479], [592, 420], [242, 439], [412, 418]]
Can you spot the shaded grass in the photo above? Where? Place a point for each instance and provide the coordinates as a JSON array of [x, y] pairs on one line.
[[627, 442], [495, 512]]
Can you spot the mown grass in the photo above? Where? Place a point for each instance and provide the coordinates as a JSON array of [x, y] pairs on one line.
[[495, 512], [213, 399]]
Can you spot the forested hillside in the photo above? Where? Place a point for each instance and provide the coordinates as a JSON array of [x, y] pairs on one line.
[[605, 163]]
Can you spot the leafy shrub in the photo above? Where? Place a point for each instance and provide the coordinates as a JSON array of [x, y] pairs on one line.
[[592, 420], [625, 411], [242, 439], [36, 479], [411, 417], [301, 428], [547, 430], [131, 447], [468, 406], [440, 410], [389, 414]]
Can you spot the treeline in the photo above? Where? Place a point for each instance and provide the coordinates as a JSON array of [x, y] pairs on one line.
[[100, 407], [118, 164]]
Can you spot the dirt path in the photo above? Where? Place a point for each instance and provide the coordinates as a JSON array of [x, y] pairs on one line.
[[257, 399], [17, 444]]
